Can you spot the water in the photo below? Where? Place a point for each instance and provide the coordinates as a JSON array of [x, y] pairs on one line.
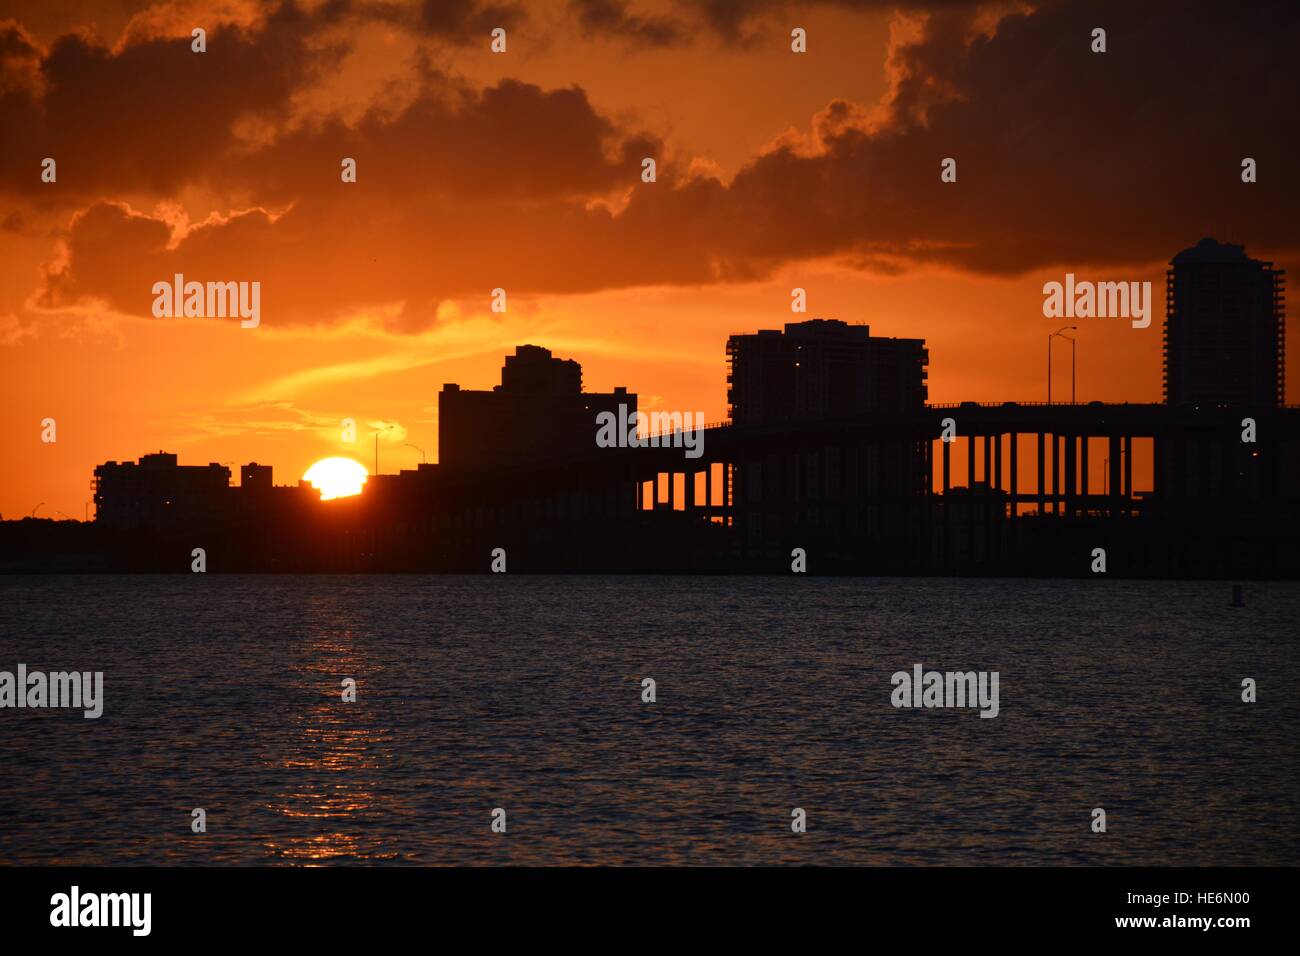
[[525, 693]]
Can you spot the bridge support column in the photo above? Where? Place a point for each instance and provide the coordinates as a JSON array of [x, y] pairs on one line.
[[1056, 474], [1043, 480], [1128, 469], [1015, 472], [1083, 469], [929, 467], [1071, 467], [1114, 468], [997, 463]]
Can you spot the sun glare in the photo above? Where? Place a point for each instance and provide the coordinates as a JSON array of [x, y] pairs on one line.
[[337, 477]]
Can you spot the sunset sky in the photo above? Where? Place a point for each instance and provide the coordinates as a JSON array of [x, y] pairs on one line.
[[522, 170]]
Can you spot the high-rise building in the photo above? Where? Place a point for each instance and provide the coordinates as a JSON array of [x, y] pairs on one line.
[[1224, 328], [156, 492], [255, 477], [822, 369], [539, 412]]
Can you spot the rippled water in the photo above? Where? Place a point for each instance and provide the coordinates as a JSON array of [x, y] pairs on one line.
[[525, 693]]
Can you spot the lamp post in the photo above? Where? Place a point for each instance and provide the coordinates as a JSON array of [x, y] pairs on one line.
[[384, 429], [423, 458], [1058, 332]]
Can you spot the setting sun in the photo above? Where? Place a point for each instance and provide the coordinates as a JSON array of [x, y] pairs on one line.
[[337, 477]]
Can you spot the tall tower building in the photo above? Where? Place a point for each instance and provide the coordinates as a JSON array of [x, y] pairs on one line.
[[1225, 318], [822, 369], [538, 413]]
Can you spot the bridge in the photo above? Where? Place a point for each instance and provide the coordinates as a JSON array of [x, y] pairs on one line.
[[887, 491]]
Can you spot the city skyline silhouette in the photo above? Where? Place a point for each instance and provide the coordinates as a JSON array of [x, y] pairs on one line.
[[830, 446], [522, 171], [580, 437]]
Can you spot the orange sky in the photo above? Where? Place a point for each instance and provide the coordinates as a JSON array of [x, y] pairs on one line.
[[521, 170]]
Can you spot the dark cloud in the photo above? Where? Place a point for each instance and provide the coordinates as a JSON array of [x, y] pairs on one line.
[[509, 142], [1064, 157], [50, 18], [153, 115], [111, 255], [464, 20], [615, 18], [738, 21]]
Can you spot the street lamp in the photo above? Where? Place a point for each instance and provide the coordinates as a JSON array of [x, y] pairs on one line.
[[1058, 332], [377, 434], [423, 457]]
